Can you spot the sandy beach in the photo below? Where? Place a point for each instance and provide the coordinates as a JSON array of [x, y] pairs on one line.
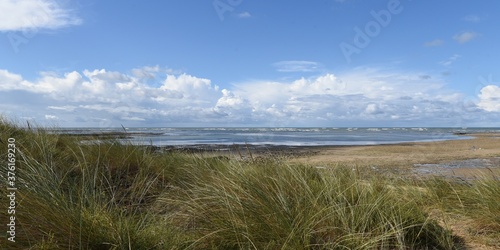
[[458, 158], [462, 158]]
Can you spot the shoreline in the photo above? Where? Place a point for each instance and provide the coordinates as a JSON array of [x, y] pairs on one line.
[[200, 148], [469, 155], [462, 158]]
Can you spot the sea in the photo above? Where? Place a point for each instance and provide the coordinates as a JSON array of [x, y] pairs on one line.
[[281, 136]]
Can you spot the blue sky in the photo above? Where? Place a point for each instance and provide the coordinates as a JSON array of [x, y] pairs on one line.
[[326, 63]]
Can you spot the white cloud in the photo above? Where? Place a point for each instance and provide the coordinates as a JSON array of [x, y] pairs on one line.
[[244, 15], [114, 95], [51, 117], [363, 96], [233, 106], [188, 84], [448, 62], [133, 119], [189, 88], [67, 108], [35, 14], [147, 72], [10, 81], [434, 43], [50, 83], [351, 97], [297, 66], [465, 36], [373, 108], [490, 98], [228, 99]]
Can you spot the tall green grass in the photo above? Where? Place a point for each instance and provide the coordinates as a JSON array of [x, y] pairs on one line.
[[84, 196], [298, 207], [112, 195], [473, 205]]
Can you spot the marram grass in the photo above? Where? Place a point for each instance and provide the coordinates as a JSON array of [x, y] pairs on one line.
[[118, 196], [296, 207]]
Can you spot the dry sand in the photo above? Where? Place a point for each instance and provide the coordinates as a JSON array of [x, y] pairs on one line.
[[460, 158]]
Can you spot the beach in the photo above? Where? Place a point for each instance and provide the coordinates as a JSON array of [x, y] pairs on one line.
[[459, 154], [463, 158]]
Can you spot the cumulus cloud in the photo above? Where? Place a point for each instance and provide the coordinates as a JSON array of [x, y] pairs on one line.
[[190, 87], [489, 98], [373, 108], [228, 99], [11, 81], [35, 14], [113, 95], [363, 96], [233, 107], [465, 36]]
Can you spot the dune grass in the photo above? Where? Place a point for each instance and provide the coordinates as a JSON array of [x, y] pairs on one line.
[[111, 195], [470, 208], [298, 207]]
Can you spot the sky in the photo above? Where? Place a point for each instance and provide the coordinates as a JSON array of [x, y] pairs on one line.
[[225, 63]]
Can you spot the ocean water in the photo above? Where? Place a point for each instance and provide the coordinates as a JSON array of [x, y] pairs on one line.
[[283, 136]]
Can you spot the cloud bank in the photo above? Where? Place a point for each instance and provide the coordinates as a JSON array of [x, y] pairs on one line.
[[154, 96]]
